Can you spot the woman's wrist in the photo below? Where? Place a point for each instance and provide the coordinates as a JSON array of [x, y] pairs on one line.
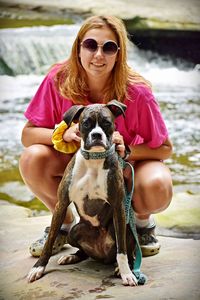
[[127, 153]]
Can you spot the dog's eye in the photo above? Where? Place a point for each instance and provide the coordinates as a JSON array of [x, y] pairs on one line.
[[87, 124], [106, 124]]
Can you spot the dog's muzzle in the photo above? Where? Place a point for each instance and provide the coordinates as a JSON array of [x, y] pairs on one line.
[[96, 138]]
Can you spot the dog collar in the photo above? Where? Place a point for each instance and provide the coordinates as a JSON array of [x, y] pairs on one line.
[[98, 155]]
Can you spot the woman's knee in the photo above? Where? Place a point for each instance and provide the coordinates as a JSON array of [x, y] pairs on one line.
[[32, 159], [160, 190], [42, 159], [153, 190]]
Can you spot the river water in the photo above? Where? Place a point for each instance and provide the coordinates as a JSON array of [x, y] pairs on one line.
[[26, 55]]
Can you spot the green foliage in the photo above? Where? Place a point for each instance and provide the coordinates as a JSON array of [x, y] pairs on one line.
[[10, 175], [34, 204], [15, 23]]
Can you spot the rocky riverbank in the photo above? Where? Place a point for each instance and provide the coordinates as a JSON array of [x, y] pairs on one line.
[[178, 14]]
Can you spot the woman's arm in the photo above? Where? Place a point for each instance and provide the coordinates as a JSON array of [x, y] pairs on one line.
[[143, 152], [32, 134]]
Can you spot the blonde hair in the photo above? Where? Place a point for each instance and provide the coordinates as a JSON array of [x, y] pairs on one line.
[[71, 77]]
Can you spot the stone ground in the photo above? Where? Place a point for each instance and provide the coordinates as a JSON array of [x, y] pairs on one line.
[[172, 274]]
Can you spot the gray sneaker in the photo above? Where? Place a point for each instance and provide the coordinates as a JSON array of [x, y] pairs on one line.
[[148, 241], [36, 248]]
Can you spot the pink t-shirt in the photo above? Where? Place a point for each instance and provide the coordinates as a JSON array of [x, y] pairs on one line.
[[143, 122]]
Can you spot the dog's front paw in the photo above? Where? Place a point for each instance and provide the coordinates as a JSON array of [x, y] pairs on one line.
[[129, 279], [35, 273]]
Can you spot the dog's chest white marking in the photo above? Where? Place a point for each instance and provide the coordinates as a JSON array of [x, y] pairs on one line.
[[89, 179]]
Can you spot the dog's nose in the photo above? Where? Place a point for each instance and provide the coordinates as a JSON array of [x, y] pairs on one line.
[[96, 136]]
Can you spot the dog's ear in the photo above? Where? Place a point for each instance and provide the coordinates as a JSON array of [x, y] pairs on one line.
[[73, 114], [116, 107]]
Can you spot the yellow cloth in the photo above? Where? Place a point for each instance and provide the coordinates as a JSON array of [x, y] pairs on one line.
[[58, 142]]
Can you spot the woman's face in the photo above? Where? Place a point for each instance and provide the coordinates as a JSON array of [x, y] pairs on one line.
[[98, 63]]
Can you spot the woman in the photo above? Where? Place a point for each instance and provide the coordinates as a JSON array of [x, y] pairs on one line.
[[97, 72]]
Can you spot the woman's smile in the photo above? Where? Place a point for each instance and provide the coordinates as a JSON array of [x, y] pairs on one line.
[[98, 65]]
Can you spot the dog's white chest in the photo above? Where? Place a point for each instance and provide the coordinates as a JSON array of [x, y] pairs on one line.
[[89, 180]]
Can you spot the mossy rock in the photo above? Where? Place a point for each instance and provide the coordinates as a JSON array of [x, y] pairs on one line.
[[16, 192], [183, 214], [140, 23]]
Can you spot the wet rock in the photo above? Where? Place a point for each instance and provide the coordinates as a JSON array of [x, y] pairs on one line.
[[16, 190]]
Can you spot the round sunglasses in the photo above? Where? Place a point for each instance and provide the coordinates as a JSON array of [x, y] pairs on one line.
[[109, 47]]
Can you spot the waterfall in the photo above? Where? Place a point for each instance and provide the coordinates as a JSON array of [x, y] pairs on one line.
[[32, 50]]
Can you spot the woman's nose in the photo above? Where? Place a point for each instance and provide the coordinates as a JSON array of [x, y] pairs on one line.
[[99, 51]]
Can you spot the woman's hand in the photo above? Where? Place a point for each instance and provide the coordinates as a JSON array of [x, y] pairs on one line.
[[72, 134], [117, 139]]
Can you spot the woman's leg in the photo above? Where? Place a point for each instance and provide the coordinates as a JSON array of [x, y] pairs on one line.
[[153, 188], [42, 168], [152, 194]]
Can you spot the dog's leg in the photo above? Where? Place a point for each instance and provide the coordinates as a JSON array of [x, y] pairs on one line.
[[72, 258], [38, 269], [74, 239], [131, 246], [116, 194], [128, 278], [58, 217]]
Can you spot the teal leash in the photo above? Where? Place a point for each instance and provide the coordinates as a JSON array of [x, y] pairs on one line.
[[130, 219]]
